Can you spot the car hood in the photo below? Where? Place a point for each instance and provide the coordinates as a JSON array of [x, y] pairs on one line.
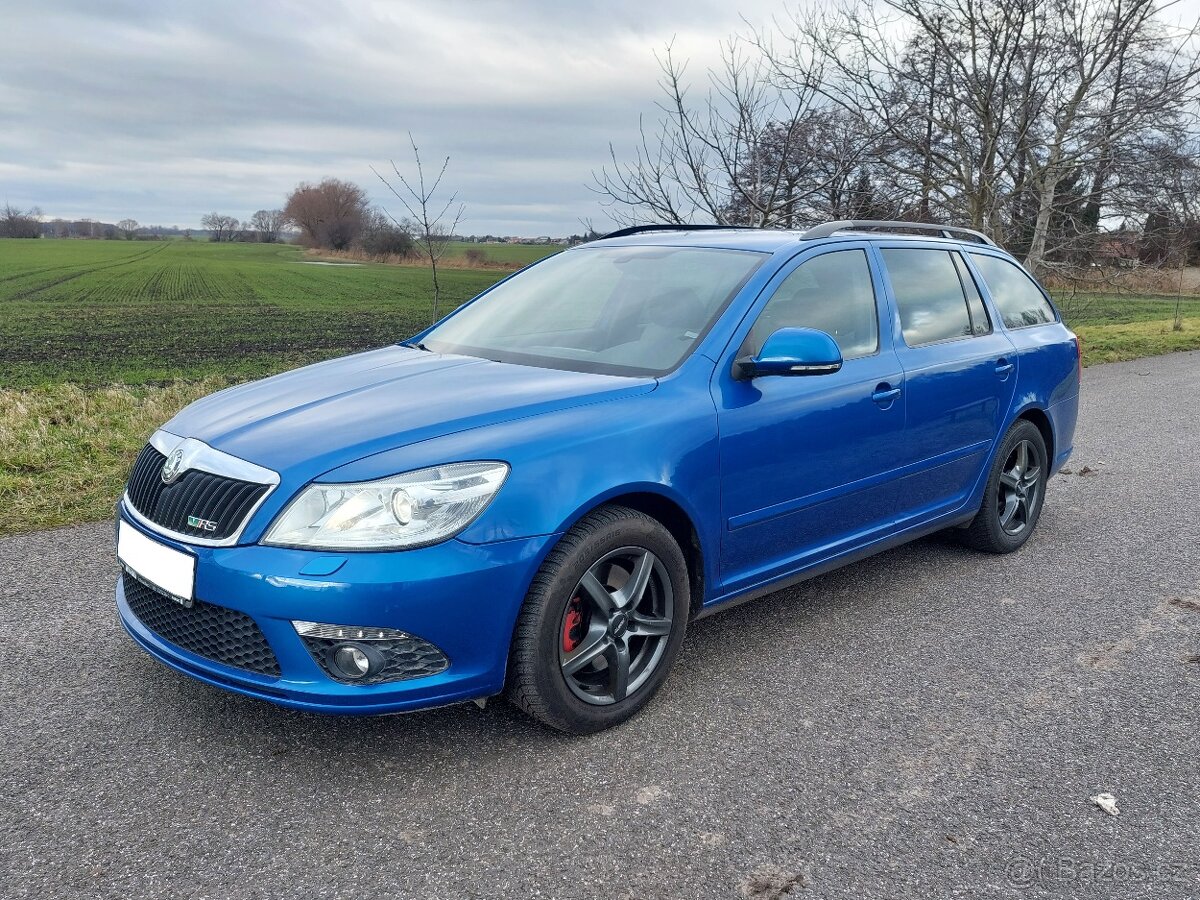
[[305, 422]]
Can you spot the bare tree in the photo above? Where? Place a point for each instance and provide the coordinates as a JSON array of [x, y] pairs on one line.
[[213, 223], [430, 221], [385, 239], [331, 214], [1121, 76], [1035, 121], [823, 165], [267, 224], [128, 227], [17, 223], [942, 131], [735, 154], [221, 228], [1016, 116]]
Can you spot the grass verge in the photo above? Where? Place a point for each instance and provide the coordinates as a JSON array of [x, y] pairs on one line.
[[1132, 340], [65, 450]]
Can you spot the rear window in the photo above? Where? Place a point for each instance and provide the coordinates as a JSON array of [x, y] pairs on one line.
[[929, 295], [1020, 301]]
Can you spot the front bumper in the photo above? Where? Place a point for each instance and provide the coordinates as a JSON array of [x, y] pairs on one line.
[[463, 598]]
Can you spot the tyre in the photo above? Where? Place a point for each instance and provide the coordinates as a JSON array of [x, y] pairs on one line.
[[1015, 491], [602, 623]]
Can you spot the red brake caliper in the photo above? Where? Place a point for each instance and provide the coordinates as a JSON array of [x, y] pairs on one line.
[[572, 635]]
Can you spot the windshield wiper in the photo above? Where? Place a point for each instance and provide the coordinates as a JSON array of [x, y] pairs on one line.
[[417, 346]]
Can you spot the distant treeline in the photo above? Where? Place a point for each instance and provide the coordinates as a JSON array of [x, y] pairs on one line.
[[90, 229], [30, 223]]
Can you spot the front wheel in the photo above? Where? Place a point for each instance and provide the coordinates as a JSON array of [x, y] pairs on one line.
[[602, 623], [1015, 491]]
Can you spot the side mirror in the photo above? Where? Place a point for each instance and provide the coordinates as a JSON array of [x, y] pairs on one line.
[[792, 351]]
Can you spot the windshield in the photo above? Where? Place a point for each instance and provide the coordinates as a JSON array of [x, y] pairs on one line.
[[613, 310]]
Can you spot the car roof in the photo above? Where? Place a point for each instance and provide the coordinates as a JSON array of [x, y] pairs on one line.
[[760, 239], [763, 240]]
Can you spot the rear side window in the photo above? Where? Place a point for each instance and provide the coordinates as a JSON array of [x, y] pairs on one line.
[[1020, 302], [831, 292], [929, 295]]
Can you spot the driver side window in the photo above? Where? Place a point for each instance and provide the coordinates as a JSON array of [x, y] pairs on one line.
[[833, 293]]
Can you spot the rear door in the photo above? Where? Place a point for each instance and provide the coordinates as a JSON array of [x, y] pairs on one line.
[[959, 374]]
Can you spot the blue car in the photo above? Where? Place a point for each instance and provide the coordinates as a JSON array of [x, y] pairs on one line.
[[536, 495]]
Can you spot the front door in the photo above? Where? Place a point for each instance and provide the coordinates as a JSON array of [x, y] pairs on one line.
[[806, 460]]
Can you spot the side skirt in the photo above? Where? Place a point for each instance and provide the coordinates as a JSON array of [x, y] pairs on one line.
[[785, 581]]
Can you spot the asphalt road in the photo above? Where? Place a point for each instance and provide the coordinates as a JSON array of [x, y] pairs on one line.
[[929, 723]]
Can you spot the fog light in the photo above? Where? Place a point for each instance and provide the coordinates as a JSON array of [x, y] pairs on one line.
[[355, 661], [369, 654]]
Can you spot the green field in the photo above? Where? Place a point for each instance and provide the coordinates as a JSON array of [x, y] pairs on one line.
[[100, 312], [105, 312]]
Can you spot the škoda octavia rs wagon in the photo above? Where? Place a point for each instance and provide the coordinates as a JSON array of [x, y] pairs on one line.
[[537, 494]]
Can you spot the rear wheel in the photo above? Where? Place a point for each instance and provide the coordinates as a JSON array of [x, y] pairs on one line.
[[602, 623], [1016, 489]]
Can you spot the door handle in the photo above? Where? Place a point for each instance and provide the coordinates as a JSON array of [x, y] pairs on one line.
[[885, 394], [1004, 367]]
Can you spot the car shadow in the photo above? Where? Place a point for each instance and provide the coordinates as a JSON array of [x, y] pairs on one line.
[[492, 734]]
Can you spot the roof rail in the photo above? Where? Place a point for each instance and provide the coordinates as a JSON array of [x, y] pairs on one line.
[[640, 229], [828, 228]]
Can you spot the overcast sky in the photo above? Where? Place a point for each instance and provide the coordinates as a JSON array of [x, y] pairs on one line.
[[164, 111]]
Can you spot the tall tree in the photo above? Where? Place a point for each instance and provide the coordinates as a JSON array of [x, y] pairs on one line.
[[1002, 111], [330, 215], [1035, 121], [731, 152]]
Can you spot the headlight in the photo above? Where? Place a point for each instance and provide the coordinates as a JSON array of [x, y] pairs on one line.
[[403, 511]]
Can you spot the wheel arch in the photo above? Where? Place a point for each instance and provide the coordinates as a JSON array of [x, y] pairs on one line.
[[1030, 412], [1041, 420], [669, 512]]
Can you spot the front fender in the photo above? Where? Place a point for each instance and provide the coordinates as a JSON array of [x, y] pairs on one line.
[[567, 462]]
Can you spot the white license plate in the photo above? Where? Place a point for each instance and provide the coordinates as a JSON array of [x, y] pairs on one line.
[[163, 567]]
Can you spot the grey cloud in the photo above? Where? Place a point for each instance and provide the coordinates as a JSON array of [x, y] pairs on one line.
[[164, 111]]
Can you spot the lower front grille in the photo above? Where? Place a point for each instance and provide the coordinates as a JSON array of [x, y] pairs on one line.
[[215, 632]]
